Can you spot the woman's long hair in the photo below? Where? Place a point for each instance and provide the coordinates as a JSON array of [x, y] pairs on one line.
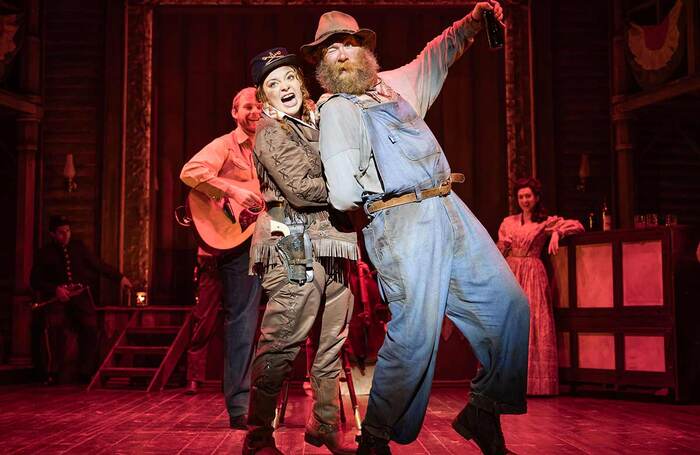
[[307, 104], [539, 213]]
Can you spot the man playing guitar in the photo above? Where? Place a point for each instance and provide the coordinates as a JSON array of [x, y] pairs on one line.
[[226, 187]]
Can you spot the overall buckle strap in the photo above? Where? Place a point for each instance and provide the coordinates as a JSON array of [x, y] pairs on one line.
[[443, 189]]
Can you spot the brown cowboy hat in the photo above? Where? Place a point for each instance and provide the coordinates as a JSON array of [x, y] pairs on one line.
[[335, 23]]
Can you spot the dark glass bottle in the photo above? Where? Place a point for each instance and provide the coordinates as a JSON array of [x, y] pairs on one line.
[[592, 222], [605, 217], [494, 31]]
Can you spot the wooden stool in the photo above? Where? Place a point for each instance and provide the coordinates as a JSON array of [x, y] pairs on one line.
[[346, 377]]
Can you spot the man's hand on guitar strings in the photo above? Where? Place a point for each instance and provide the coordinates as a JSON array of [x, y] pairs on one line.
[[245, 198]]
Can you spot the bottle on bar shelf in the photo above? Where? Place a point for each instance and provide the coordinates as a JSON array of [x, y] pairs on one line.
[[592, 222], [605, 217]]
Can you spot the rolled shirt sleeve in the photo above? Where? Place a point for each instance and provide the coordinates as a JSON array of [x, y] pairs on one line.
[[421, 80], [563, 227], [346, 155], [202, 170]]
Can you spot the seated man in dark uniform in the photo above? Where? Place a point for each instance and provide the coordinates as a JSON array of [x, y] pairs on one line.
[[61, 272]]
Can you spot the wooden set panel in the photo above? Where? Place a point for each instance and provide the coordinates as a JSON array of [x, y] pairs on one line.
[[628, 320], [642, 274], [594, 278]]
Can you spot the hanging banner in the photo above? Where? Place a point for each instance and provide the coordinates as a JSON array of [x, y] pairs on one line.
[[655, 51], [10, 37]]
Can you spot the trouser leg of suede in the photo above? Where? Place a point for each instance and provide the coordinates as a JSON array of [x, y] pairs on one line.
[[289, 316], [325, 371]]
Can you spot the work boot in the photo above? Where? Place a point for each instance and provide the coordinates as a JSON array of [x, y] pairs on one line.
[[482, 426], [261, 413], [323, 426], [260, 443], [237, 422], [372, 445]]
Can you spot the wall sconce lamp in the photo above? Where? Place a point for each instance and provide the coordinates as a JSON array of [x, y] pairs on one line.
[[584, 172], [69, 173]]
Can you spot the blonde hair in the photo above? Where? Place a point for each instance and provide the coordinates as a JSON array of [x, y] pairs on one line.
[[237, 97]]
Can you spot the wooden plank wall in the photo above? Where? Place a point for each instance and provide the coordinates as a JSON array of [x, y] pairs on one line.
[[667, 140], [73, 84], [667, 160], [580, 93]]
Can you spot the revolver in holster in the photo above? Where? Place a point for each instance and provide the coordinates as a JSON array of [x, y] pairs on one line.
[[297, 254]]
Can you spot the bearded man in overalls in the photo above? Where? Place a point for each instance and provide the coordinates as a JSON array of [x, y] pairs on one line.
[[432, 255]]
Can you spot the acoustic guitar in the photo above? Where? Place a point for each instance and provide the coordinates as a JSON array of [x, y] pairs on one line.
[[222, 224]]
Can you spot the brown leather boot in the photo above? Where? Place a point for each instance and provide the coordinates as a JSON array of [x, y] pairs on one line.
[[484, 427], [319, 434], [261, 412], [322, 427]]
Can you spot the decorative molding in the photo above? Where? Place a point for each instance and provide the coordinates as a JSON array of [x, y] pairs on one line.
[[300, 3], [518, 95], [137, 160], [25, 104], [27, 130]]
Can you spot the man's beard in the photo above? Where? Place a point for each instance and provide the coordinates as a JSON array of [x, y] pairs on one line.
[[349, 77]]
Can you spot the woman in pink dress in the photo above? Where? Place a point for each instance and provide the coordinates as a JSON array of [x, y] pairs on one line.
[[520, 239]]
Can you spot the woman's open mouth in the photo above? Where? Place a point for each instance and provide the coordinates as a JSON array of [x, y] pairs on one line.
[[289, 99]]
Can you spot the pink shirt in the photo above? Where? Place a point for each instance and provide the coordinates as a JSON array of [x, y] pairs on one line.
[[216, 168]]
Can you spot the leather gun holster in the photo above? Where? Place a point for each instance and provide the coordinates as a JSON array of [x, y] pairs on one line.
[[297, 254]]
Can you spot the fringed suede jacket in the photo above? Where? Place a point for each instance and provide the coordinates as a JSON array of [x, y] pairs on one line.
[[289, 166]]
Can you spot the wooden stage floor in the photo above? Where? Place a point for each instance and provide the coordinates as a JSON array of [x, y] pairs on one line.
[[66, 419]]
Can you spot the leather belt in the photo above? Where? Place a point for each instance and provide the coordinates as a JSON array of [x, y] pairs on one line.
[[443, 189]]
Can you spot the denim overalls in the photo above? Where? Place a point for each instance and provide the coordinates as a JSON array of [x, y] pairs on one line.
[[435, 258]]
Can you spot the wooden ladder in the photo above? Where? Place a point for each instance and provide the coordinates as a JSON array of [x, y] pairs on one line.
[[147, 350]]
